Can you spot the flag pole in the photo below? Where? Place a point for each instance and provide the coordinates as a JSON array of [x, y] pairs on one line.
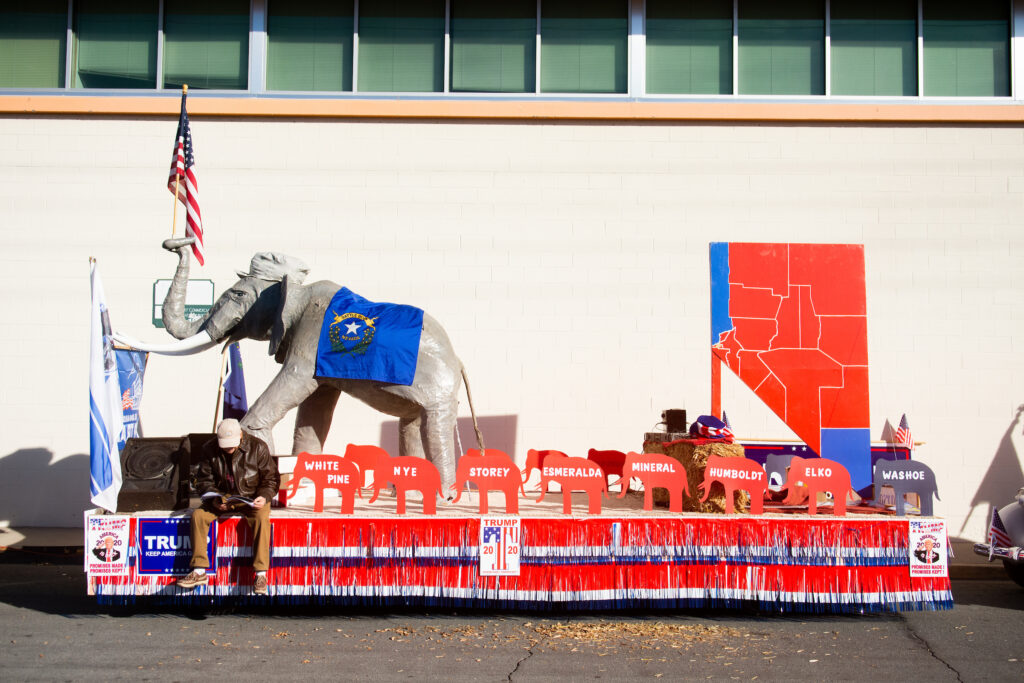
[[177, 179], [220, 385]]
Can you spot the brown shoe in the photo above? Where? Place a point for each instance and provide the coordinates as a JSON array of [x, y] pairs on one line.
[[259, 584], [193, 579]]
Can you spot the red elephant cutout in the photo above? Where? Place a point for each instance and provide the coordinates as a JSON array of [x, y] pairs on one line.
[[365, 458], [535, 461], [407, 473], [819, 475], [574, 474], [326, 472], [655, 470], [736, 474], [610, 461], [492, 470]]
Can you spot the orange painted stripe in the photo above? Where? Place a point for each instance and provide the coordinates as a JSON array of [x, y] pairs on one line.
[[512, 109]]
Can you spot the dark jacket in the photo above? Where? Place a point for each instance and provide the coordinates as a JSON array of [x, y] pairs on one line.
[[249, 471]]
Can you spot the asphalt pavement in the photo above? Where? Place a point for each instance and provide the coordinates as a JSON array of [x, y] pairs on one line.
[[51, 630]]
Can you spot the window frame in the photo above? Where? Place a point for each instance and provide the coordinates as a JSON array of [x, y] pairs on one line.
[[636, 64]]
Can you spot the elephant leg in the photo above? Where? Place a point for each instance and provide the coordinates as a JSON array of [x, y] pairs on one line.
[[438, 432], [313, 420], [410, 438], [756, 501], [901, 502], [285, 391], [926, 504]]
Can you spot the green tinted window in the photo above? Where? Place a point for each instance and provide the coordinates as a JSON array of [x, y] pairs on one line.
[[782, 47], [689, 47], [206, 44], [874, 47], [309, 45], [32, 38], [116, 43], [583, 46], [966, 48], [494, 45], [401, 46]]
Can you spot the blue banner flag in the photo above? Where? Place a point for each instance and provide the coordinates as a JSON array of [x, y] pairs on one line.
[[131, 368], [362, 339], [104, 403], [235, 403]]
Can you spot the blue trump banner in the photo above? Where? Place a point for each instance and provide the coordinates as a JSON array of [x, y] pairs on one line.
[[104, 402], [362, 339], [165, 546], [131, 368], [235, 403]]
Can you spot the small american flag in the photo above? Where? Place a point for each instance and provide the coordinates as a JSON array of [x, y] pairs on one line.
[[997, 534], [903, 437], [183, 181]]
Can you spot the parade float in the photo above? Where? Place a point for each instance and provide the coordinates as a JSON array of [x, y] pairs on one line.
[[691, 518]]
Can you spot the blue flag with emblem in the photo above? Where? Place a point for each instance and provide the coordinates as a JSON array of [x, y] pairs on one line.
[[362, 339]]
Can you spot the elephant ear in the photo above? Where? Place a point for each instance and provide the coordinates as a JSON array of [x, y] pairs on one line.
[[289, 308]]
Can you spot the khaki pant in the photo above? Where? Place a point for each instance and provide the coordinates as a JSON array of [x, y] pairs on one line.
[[259, 522]]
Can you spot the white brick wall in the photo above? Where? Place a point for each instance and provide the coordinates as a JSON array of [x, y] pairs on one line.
[[567, 261]]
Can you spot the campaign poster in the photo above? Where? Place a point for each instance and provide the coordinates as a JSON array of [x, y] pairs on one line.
[[500, 539], [106, 542], [929, 548], [165, 546]]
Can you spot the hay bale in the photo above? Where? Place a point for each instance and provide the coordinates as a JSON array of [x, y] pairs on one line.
[[694, 454]]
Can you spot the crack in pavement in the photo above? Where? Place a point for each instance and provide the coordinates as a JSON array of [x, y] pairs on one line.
[[914, 634], [529, 653]]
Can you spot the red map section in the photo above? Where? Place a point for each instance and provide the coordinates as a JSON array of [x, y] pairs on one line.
[[799, 333]]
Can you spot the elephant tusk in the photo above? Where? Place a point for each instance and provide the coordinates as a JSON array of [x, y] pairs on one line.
[[197, 343]]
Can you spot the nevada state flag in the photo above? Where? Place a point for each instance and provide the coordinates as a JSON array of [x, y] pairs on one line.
[[363, 339]]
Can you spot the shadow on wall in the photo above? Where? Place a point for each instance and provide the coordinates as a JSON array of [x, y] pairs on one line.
[[35, 490], [499, 432], [1003, 478]]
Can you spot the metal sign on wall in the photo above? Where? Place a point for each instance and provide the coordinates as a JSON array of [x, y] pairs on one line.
[[198, 299]]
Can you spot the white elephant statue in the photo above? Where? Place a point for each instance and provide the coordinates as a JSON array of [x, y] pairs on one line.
[[271, 303]]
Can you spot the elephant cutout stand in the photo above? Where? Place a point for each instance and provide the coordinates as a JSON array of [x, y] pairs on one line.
[[535, 461], [365, 458], [906, 476], [736, 474], [818, 475], [574, 474], [492, 470], [407, 473], [326, 472], [610, 461], [655, 470]]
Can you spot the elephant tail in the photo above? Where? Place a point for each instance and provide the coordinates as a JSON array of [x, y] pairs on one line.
[[472, 411]]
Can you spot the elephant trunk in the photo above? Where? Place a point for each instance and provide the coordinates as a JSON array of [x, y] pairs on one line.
[[186, 347], [174, 303]]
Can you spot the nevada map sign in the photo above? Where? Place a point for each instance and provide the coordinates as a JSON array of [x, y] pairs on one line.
[[791, 321]]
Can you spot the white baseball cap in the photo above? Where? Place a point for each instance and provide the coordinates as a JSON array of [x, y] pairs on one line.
[[229, 433]]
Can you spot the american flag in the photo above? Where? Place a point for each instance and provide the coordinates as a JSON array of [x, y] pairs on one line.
[[903, 437], [997, 534], [183, 181]]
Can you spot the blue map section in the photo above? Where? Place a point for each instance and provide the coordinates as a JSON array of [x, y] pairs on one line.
[[851, 448], [720, 320]]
